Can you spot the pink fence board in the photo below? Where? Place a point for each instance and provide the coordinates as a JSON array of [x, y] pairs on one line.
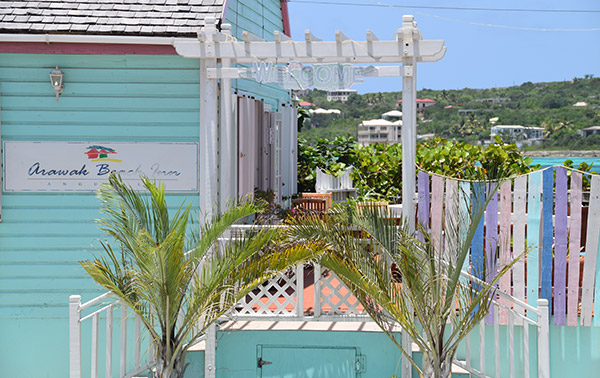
[[519, 220], [574, 246], [504, 242]]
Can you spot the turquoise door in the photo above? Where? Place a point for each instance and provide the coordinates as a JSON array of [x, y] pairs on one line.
[[277, 361]]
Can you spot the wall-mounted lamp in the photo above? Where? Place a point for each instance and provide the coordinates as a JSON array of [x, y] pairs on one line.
[[56, 78]]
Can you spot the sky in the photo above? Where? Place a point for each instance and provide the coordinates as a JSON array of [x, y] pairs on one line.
[[485, 48]]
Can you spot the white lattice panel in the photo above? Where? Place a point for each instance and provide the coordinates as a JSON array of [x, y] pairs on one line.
[[336, 299], [274, 297]]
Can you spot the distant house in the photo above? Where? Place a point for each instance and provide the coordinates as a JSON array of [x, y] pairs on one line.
[[421, 103], [340, 95], [305, 104], [379, 131], [580, 104], [592, 130], [518, 134], [325, 111], [392, 115], [493, 100]]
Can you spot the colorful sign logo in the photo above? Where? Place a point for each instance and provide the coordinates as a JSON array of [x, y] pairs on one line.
[[101, 153]]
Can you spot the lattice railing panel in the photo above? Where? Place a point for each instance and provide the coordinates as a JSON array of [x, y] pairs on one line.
[[275, 297], [335, 297]]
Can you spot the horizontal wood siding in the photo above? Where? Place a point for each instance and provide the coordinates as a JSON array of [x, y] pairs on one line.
[[106, 98], [262, 18]]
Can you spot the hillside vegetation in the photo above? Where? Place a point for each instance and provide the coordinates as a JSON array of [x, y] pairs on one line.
[[547, 105]]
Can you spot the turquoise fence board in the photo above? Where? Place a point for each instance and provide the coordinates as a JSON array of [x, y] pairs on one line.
[[464, 203], [477, 260]]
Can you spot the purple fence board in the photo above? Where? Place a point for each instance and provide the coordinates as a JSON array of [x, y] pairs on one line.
[[437, 204], [423, 188], [560, 247], [547, 234]]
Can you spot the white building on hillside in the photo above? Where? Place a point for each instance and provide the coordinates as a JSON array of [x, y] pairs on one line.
[[340, 95], [379, 131], [518, 134]]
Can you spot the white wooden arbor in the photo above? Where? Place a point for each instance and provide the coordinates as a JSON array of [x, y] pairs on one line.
[[219, 51]]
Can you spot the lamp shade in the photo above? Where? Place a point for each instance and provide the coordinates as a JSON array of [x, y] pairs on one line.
[[56, 78]]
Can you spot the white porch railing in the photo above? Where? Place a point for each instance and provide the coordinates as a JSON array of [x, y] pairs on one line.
[[288, 297], [101, 310], [521, 316]]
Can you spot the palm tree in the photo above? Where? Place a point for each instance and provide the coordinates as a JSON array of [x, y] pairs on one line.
[[405, 278], [178, 294]]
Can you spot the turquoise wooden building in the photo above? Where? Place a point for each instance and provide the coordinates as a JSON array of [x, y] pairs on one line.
[[151, 86], [128, 93]]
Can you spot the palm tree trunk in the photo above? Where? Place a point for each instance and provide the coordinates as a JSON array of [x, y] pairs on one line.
[[439, 369]]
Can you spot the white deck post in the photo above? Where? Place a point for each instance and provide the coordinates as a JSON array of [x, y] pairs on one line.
[[207, 159], [408, 37], [210, 352], [227, 137], [543, 339], [74, 337]]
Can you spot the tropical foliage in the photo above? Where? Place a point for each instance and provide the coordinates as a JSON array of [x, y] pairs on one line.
[[466, 161], [332, 156], [176, 280], [407, 279], [378, 168]]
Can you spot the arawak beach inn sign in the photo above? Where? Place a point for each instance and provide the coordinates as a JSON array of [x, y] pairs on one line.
[[83, 166]]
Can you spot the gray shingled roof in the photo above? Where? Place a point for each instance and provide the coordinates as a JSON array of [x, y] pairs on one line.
[[116, 17]]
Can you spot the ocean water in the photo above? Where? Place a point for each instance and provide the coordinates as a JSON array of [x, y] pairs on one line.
[[549, 161]]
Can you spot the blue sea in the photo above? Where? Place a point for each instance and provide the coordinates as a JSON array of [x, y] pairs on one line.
[[554, 160]]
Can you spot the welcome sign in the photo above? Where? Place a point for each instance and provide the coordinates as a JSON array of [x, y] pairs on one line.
[[83, 166], [294, 75]]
